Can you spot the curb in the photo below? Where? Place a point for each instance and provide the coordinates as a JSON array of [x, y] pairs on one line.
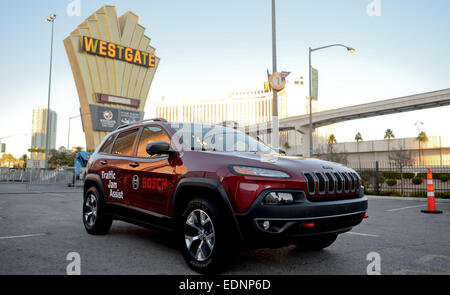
[[437, 200]]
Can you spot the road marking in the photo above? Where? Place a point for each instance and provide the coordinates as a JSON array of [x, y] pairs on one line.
[[361, 234], [22, 236], [55, 194], [396, 209]]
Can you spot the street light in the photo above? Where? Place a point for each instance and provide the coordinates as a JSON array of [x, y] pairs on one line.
[[49, 19], [68, 133], [350, 50]]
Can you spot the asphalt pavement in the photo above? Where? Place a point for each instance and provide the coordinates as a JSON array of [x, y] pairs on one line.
[[39, 228]]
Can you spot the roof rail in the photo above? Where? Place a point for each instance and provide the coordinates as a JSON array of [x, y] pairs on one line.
[[142, 121]]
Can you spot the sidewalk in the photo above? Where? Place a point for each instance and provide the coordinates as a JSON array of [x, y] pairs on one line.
[[437, 200], [24, 188]]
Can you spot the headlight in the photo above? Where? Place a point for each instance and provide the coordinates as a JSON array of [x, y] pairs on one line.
[[278, 198], [254, 171]]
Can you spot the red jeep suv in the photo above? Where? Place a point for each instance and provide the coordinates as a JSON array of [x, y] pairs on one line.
[[217, 189]]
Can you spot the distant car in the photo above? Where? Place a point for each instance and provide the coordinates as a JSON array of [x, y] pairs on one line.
[[217, 190]]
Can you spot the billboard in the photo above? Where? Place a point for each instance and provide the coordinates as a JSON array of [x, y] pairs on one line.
[[109, 118], [113, 65]]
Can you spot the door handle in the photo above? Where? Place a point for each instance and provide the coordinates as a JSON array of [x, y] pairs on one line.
[[103, 162], [134, 164]]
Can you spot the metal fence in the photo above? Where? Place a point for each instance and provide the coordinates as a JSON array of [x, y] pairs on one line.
[[390, 178], [41, 176]]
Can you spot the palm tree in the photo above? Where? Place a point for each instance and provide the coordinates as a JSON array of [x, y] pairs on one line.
[[389, 134], [331, 140], [358, 138], [422, 137]]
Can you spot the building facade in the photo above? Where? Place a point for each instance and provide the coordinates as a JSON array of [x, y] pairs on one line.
[[39, 131]]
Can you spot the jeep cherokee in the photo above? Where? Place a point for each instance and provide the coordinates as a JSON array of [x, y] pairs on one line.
[[217, 189]]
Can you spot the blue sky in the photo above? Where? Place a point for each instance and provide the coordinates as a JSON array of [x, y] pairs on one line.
[[208, 48]]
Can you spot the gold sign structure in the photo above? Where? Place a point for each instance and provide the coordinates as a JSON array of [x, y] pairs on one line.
[[111, 58]]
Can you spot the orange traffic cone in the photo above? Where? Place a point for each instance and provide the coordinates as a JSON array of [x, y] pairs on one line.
[[430, 195]]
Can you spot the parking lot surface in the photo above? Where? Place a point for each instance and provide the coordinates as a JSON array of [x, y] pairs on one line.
[[39, 228]]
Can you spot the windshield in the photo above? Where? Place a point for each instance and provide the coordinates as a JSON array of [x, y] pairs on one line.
[[216, 138]]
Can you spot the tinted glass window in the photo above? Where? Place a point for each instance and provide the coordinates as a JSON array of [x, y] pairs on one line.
[[124, 143], [150, 134], [107, 145]]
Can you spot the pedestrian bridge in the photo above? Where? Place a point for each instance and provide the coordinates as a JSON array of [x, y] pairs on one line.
[[378, 108]]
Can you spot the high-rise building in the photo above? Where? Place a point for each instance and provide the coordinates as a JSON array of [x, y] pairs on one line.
[[244, 107], [39, 129]]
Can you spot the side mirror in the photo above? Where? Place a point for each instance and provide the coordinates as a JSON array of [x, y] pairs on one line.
[[158, 148]]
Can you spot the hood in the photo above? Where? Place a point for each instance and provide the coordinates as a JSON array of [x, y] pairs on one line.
[[295, 165]]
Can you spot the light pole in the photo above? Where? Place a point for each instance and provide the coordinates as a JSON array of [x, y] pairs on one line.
[[350, 50], [274, 92], [68, 133], [50, 19]]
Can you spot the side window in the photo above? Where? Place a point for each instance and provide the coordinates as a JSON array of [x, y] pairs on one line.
[[107, 145], [124, 143], [150, 134]]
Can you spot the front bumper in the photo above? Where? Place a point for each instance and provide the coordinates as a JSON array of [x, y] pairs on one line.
[[290, 222]]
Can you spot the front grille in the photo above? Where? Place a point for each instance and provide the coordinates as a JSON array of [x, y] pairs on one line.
[[339, 182], [330, 182], [311, 183], [346, 182], [353, 181], [358, 184], [321, 182]]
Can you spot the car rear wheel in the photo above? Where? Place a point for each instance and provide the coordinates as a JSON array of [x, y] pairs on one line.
[[315, 243], [95, 218], [207, 243]]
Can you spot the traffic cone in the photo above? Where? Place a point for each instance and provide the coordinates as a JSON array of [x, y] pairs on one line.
[[430, 195]]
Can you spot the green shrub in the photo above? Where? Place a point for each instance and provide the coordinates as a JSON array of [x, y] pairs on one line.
[[369, 192], [392, 175], [417, 180], [390, 193], [391, 182], [408, 175], [422, 175], [442, 195], [381, 179], [444, 177], [418, 194]]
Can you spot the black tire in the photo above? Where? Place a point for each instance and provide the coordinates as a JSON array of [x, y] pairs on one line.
[[315, 243], [224, 245], [98, 222]]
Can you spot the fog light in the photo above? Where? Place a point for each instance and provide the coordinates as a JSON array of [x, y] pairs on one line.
[[266, 225], [278, 198]]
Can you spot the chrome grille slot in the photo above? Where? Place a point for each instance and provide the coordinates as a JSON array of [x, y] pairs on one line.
[[330, 182], [358, 184], [339, 182], [346, 182], [321, 179], [353, 181], [311, 183]]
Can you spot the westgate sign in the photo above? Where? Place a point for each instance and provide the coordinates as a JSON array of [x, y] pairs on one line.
[[113, 65], [115, 51]]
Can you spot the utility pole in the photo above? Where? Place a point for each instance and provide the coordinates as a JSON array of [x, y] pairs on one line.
[[51, 19], [275, 123]]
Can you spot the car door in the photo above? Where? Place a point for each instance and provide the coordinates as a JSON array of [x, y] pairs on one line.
[[118, 176], [153, 174]]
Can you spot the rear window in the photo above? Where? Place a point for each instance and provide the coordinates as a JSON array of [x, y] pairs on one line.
[[124, 143], [107, 145]]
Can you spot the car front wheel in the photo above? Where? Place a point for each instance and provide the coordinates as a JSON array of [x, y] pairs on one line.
[[208, 245]]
